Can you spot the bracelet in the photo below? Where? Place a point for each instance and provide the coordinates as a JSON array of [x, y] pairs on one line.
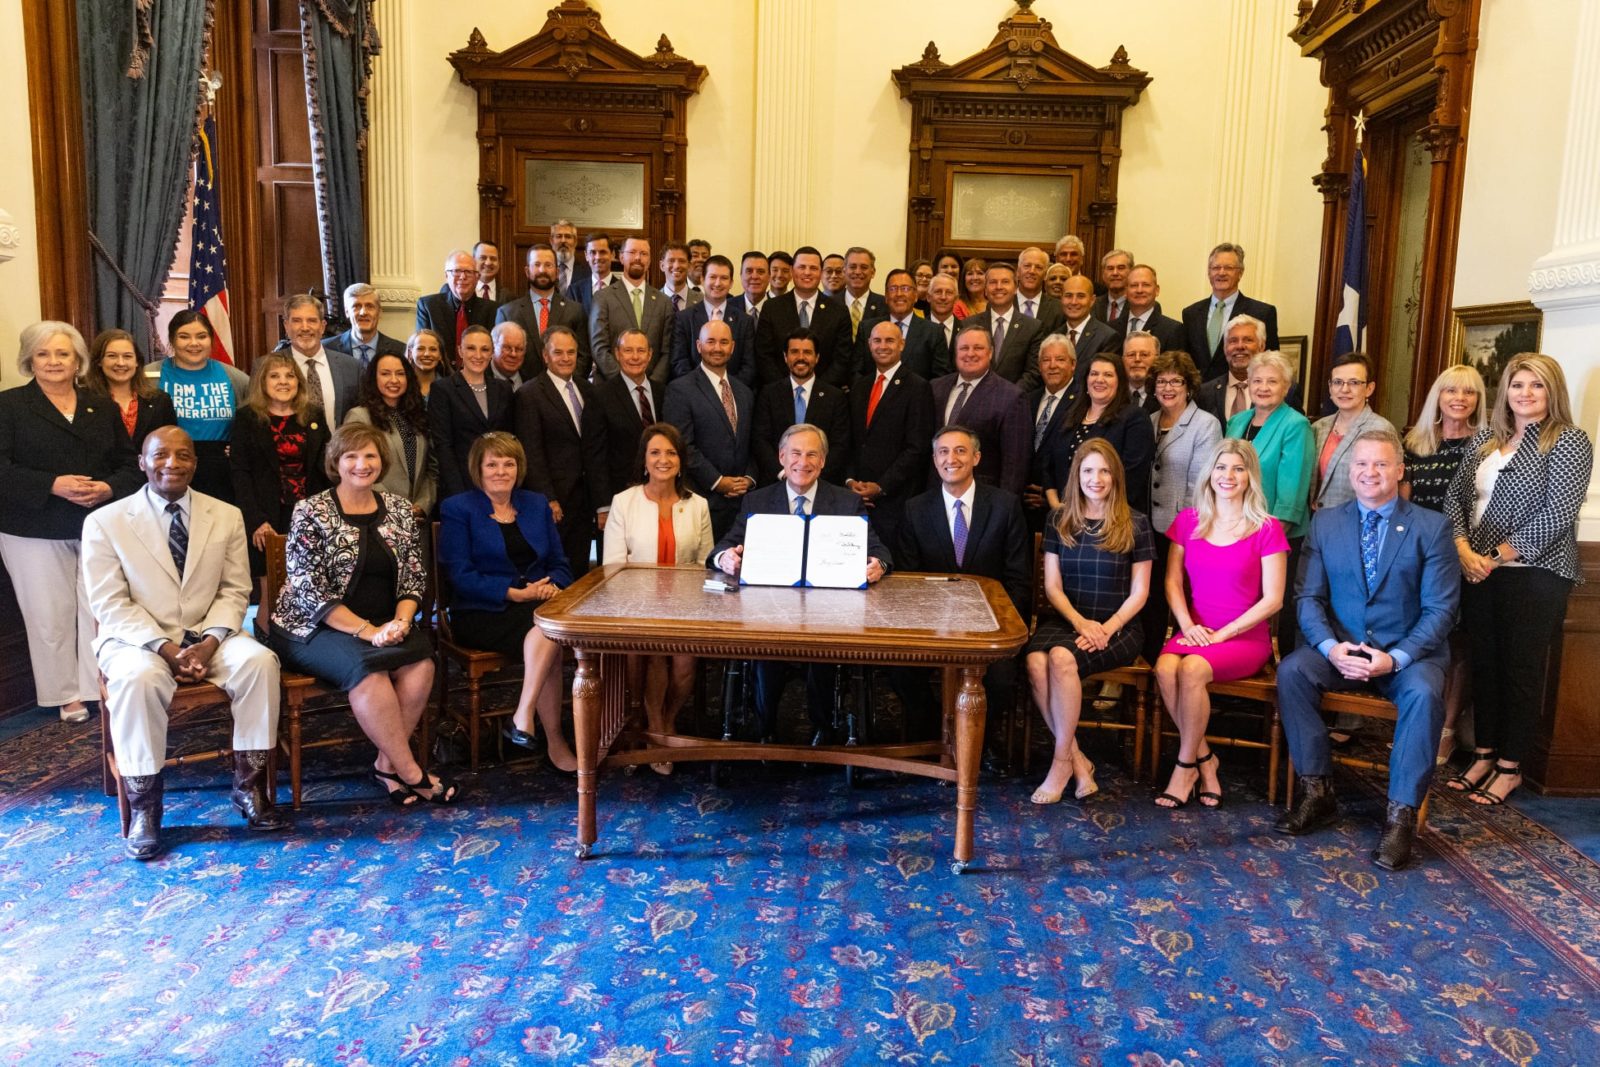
[[363, 626]]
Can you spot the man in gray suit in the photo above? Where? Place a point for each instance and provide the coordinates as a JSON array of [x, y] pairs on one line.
[[634, 304], [543, 308], [332, 377]]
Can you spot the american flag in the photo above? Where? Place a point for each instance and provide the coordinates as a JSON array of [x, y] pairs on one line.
[[208, 263]]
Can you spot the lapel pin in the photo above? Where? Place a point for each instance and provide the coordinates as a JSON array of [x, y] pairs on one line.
[[1399, 529]]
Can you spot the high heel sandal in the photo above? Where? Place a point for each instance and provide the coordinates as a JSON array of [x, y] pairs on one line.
[[1462, 783], [1087, 786], [1184, 802], [1206, 795], [1447, 742], [401, 797], [1481, 795], [1041, 795]]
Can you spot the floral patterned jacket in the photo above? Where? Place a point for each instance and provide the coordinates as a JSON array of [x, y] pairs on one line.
[[323, 556]]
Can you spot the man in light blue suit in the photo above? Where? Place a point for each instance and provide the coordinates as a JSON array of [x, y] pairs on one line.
[[1376, 605]]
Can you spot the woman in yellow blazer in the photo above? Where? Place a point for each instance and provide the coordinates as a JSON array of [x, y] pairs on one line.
[[659, 521]]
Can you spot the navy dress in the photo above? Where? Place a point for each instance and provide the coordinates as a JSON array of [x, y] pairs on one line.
[[1097, 583]]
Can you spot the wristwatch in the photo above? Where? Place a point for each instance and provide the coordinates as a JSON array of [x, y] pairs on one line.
[[1494, 553]]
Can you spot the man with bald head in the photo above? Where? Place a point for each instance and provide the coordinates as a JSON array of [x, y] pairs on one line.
[[1088, 334], [715, 412], [168, 581], [455, 307]]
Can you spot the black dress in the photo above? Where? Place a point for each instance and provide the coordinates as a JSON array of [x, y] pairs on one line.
[[1097, 583], [501, 631]]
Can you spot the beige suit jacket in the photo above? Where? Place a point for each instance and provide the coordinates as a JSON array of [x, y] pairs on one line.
[[633, 526], [134, 589]]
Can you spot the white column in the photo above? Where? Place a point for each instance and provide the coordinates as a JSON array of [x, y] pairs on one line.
[[1565, 282], [389, 166], [784, 57]]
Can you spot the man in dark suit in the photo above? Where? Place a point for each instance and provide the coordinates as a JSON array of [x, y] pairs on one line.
[[965, 527], [1031, 299], [1378, 600], [891, 422], [561, 432], [337, 376], [542, 308], [1139, 353], [753, 275], [804, 307], [942, 298], [1205, 321], [715, 304], [988, 405], [510, 355], [860, 302], [1111, 306], [803, 453], [1017, 335], [833, 275], [715, 412], [450, 311], [800, 397], [594, 275], [1142, 311], [780, 272], [675, 269], [631, 304], [570, 266], [926, 354], [486, 257], [625, 405], [1088, 334], [362, 340], [1048, 406]]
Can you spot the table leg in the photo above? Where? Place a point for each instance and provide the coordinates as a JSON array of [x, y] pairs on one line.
[[971, 711], [586, 738]]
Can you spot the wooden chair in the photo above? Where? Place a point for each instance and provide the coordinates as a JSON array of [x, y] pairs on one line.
[[1261, 687], [1136, 677], [1368, 706], [298, 689], [474, 663]]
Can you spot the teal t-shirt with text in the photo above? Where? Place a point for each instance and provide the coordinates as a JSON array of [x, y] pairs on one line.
[[203, 399]]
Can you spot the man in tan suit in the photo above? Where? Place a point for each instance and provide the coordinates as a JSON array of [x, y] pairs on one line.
[[168, 582]]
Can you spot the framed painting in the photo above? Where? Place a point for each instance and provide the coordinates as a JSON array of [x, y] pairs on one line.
[[1486, 336]]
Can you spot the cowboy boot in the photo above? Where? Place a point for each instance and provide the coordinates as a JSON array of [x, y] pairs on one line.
[[144, 802], [1315, 809], [250, 793], [1399, 831]]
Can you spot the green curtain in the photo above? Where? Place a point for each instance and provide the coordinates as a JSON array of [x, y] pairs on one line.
[[339, 41], [139, 73]]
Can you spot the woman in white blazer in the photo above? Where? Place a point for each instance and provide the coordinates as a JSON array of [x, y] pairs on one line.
[[1184, 436], [659, 521]]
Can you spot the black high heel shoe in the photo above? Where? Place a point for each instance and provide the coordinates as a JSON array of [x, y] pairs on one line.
[[1184, 802], [402, 797], [1206, 795]]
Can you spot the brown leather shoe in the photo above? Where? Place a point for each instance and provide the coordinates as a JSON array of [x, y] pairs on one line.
[[1399, 831], [251, 794], [144, 793]]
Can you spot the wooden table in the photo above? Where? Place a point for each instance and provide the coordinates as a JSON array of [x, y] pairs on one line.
[[959, 625]]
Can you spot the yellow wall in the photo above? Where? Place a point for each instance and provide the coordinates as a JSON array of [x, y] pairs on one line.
[[1184, 183], [19, 277]]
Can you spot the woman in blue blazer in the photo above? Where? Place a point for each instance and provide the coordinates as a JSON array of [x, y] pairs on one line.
[[1287, 449], [500, 549]]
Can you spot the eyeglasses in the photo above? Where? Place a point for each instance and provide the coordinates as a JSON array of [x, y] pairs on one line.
[[1171, 383], [1347, 383], [462, 273]]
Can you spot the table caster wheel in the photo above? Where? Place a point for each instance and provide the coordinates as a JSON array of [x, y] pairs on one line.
[[959, 866], [583, 852]]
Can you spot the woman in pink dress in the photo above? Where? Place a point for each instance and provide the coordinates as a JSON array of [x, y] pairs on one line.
[[1235, 556]]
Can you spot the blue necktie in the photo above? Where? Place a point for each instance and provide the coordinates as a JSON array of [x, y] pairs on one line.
[[959, 535], [1369, 548], [1044, 421], [800, 506], [365, 353], [799, 404]]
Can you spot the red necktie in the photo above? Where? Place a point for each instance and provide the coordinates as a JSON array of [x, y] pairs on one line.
[[872, 400], [544, 315], [461, 321]]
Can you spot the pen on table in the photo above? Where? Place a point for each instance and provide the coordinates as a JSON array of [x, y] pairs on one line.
[[942, 578]]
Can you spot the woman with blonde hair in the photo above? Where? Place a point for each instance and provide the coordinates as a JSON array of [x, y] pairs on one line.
[[1514, 505], [1097, 553], [1235, 556], [973, 287], [276, 450]]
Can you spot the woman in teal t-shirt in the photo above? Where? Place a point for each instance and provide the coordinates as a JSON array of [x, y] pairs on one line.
[[205, 395]]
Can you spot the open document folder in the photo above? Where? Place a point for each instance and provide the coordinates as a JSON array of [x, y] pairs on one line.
[[824, 551]]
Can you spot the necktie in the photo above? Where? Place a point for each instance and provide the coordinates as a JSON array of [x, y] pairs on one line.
[[1239, 402], [805, 314], [799, 404], [727, 406], [677, 302], [565, 278], [1369, 548], [1027, 308], [877, 394], [177, 537], [577, 404], [1073, 333], [961, 402], [959, 535], [638, 307], [1044, 420], [1214, 323], [949, 328], [800, 506], [314, 384], [999, 335], [905, 327], [544, 315], [645, 412], [855, 318], [461, 321], [365, 352], [483, 290], [716, 313], [1115, 308], [755, 315], [1135, 325]]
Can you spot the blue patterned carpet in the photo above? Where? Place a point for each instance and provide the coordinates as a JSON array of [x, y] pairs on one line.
[[781, 918]]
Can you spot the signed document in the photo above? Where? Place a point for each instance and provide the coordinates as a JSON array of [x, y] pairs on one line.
[[836, 556], [774, 550]]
